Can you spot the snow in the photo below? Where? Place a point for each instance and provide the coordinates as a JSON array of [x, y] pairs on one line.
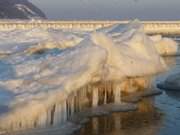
[[25, 9], [22, 40], [46, 67]]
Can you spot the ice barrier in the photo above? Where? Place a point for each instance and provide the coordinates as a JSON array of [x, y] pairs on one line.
[[42, 83], [57, 113]]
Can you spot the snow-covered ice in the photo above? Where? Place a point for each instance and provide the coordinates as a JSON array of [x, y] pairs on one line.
[[44, 67]]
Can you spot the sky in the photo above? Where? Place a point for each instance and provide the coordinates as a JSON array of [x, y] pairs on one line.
[[110, 9]]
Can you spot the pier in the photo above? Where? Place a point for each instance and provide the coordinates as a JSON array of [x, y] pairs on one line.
[[150, 27]]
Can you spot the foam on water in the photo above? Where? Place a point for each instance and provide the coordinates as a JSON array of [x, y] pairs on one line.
[[41, 86]]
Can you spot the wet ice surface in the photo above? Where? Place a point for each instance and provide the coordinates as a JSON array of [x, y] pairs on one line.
[[156, 116]]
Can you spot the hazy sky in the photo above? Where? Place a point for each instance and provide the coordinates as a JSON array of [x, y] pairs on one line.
[[110, 9]]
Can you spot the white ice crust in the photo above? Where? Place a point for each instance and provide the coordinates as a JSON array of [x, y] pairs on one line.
[[43, 68]]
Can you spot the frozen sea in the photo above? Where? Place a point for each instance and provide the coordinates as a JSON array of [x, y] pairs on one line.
[[50, 75]]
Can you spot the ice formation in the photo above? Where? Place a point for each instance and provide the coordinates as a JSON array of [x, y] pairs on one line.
[[165, 46], [120, 32], [34, 39], [46, 68]]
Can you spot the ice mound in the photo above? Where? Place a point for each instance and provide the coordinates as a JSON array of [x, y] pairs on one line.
[[136, 53], [120, 28], [165, 46], [40, 86], [123, 32], [23, 36], [36, 39]]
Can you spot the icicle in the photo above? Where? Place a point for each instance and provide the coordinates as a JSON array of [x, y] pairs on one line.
[[117, 94], [64, 112], [52, 114], [58, 114], [95, 97], [105, 93], [72, 106], [42, 121], [49, 117]]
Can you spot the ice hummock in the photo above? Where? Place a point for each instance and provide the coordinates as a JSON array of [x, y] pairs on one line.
[[41, 82], [165, 46], [17, 41], [122, 32]]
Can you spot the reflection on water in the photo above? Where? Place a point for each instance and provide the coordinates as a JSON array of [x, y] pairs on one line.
[[160, 116], [146, 120]]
